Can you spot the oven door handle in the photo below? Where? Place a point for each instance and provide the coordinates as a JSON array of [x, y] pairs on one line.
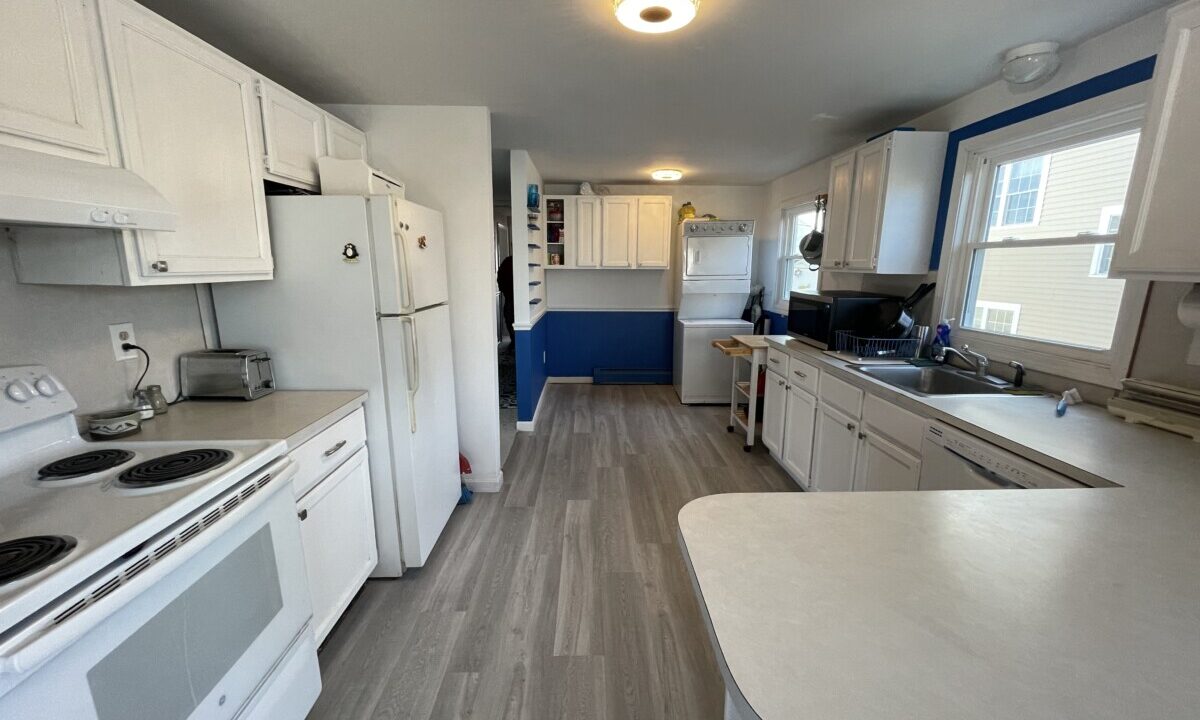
[[42, 639]]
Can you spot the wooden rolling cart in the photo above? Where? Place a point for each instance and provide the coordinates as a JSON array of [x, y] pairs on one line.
[[753, 350]]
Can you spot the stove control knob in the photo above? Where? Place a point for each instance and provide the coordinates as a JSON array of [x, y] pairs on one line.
[[742, 227], [47, 386], [20, 391]]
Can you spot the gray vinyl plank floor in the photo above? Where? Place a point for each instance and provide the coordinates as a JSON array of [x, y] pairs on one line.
[[564, 595]]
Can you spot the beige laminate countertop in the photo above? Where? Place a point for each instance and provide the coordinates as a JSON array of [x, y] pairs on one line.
[[1088, 444], [1040, 604], [294, 416]]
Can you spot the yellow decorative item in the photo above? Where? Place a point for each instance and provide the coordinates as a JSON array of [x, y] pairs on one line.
[[686, 212]]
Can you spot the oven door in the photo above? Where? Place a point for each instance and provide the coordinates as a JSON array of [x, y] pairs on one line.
[[195, 628]]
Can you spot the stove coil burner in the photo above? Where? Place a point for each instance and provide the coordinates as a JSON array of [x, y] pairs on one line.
[[169, 468], [86, 463], [26, 556]]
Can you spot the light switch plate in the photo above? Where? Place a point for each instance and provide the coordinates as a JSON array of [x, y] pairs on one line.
[[122, 333]]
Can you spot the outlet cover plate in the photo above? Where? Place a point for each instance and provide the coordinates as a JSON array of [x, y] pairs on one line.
[[122, 333]]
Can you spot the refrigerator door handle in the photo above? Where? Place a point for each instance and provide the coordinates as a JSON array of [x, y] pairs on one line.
[[414, 371], [410, 301]]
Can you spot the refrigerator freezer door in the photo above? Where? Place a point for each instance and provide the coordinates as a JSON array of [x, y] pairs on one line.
[[410, 252], [420, 388]]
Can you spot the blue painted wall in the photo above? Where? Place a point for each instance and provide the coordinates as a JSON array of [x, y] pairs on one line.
[[778, 323], [531, 368], [579, 343], [1131, 74]]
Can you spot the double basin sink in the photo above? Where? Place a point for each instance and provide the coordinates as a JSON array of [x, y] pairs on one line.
[[934, 381]]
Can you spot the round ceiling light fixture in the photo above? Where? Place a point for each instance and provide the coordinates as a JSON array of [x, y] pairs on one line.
[[667, 175], [655, 16], [1030, 63]]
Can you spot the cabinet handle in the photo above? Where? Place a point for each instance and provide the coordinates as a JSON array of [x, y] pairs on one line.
[[335, 448], [159, 266], [800, 374], [780, 383], [850, 426], [774, 360], [303, 515], [862, 436]]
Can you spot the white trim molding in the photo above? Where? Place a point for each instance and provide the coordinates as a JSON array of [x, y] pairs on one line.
[[531, 425], [970, 199]]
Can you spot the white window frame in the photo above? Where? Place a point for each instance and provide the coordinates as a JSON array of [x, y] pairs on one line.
[[1105, 116], [1107, 213], [1037, 205], [783, 285]]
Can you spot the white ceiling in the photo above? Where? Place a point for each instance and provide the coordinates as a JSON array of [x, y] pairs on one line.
[[730, 99]]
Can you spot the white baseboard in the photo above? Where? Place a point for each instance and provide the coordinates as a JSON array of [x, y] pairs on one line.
[[570, 380], [490, 483], [529, 425]]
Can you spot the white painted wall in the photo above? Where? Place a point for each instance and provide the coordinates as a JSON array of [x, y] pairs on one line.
[[65, 327], [444, 155], [522, 174], [792, 189], [649, 289]]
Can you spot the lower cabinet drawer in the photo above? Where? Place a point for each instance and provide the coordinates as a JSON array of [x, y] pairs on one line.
[[777, 360], [803, 375], [315, 458], [904, 428], [841, 395], [337, 527]]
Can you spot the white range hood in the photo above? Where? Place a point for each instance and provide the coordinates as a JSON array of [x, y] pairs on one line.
[[41, 189]]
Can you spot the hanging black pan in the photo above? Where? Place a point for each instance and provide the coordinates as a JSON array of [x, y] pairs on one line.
[[902, 325]]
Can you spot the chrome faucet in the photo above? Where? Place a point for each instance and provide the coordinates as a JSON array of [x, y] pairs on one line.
[[977, 361]]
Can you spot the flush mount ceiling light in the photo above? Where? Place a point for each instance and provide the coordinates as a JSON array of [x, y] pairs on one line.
[[667, 175], [655, 16], [1030, 63]]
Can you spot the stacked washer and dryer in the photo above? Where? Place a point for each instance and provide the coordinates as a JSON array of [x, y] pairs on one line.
[[715, 262]]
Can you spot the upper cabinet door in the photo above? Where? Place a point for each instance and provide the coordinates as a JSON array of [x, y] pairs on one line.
[[870, 179], [837, 214], [344, 141], [1159, 237], [588, 230], [654, 232], [187, 117], [51, 97], [294, 132], [619, 243]]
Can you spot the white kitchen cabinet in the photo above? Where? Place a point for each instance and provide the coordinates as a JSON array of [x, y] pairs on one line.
[[618, 246], [589, 229], [837, 215], [293, 135], [654, 232], [338, 533], [884, 223], [55, 96], [800, 427], [880, 465], [836, 450], [1158, 238], [774, 413], [344, 141], [187, 117]]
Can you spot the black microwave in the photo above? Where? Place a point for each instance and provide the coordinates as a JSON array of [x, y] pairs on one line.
[[816, 319]]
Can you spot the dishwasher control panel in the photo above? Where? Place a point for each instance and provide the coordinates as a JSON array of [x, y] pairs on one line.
[[996, 461]]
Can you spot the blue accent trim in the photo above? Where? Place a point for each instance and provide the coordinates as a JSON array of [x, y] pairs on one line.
[[1122, 77], [778, 323], [531, 369], [580, 343]]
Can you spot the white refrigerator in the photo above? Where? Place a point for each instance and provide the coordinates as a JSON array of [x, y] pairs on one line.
[[359, 301]]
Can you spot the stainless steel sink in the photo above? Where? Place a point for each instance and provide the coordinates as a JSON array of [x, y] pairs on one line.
[[928, 381]]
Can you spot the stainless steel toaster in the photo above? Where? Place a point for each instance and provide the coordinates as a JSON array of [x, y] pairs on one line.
[[245, 374]]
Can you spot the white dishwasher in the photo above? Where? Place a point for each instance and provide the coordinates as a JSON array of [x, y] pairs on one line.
[[954, 460]]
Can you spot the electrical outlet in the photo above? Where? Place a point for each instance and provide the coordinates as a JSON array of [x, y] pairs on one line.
[[122, 333]]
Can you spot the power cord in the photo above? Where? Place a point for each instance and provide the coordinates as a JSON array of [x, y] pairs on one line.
[[142, 350]]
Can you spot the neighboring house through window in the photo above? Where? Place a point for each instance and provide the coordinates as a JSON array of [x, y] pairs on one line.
[[1018, 192], [795, 274], [1110, 223]]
